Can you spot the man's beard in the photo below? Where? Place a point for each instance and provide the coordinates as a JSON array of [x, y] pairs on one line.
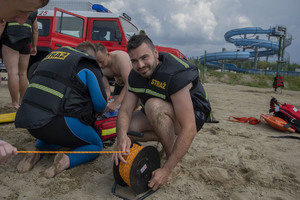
[[149, 72]]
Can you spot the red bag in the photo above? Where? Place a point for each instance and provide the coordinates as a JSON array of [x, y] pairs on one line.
[[106, 128], [287, 112]]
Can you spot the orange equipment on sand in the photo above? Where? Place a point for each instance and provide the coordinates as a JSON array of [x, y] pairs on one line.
[[137, 172], [250, 120], [277, 122]]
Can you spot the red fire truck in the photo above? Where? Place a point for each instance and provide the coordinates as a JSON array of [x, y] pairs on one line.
[[67, 23]]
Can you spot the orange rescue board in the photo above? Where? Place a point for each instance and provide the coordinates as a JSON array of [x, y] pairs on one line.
[[276, 122]]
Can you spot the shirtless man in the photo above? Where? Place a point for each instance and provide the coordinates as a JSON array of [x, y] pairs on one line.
[[117, 65], [19, 10]]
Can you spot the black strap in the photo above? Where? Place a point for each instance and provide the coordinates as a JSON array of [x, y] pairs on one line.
[[54, 76], [71, 84], [113, 190], [135, 134], [286, 136]]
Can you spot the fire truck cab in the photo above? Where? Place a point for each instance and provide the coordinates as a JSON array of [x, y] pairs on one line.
[[68, 23]]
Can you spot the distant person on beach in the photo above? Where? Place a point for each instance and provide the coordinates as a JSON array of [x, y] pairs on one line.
[[16, 40], [60, 106], [15, 10], [116, 65], [175, 105]]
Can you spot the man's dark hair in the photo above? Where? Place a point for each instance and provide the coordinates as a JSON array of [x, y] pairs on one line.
[[100, 47], [137, 40], [85, 46]]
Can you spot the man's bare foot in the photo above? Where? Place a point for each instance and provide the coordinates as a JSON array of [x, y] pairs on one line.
[[28, 161], [61, 163], [14, 105]]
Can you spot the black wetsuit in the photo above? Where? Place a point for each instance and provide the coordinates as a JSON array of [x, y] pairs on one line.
[[60, 102]]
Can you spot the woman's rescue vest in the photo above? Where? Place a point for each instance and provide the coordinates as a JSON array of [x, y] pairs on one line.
[[170, 76], [17, 32], [55, 89]]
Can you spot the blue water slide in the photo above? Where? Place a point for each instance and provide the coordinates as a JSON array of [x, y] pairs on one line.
[[268, 47], [229, 55], [228, 66], [272, 47]]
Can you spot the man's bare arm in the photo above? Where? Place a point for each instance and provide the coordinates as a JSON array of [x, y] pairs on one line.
[[106, 86], [123, 69], [185, 115], [123, 123], [2, 26]]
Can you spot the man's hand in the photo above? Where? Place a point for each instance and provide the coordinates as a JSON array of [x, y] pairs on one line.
[[6, 150], [123, 144], [112, 106], [159, 178], [33, 51]]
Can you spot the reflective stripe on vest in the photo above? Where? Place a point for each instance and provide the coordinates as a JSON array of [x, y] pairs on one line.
[[17, 24], [147, 91], [180, 61], [72, 49], [46, 89]]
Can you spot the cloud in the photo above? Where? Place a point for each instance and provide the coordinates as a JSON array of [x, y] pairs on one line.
[[196, 19], [152, 22], [115, 6], [194, 26]]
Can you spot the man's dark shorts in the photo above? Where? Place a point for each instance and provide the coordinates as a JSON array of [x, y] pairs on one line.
[[117, 89], [22, 46]]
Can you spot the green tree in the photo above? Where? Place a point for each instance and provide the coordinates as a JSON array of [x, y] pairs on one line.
[[142, 32]]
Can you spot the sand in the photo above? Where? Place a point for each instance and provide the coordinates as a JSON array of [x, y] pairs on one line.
[[227, 160]]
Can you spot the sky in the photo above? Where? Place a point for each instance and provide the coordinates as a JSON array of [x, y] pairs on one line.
[[196, 26]]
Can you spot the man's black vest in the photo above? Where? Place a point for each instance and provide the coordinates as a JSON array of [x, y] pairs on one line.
[[55, 89], [171, 75], [17, 32]]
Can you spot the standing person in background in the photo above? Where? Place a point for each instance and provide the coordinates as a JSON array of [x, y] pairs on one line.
[[60, 106], [16, 51], [117, 65], [19, 10], [15, 10]]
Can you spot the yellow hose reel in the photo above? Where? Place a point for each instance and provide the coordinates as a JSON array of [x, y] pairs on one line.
[[136, 173]]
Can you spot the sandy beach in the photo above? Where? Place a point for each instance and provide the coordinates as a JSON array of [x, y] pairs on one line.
[[228, 160]]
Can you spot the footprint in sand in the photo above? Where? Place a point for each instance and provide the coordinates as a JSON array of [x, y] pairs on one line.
[[216, 174]]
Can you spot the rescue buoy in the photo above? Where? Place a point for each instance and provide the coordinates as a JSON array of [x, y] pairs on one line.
[[136, 173], [277, 122]]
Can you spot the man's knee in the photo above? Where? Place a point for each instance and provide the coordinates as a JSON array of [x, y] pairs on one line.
[[156, 106], [22, 74], [159, 112], [139, 122]]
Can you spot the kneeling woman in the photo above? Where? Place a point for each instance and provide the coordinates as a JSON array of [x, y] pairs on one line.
[[59, 107]]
